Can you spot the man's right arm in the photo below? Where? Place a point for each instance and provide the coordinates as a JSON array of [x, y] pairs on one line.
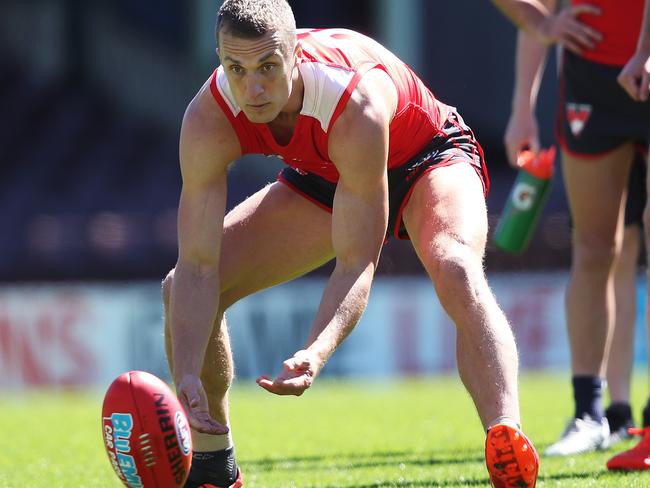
[[522, 129], [563, 28], [207, 145]]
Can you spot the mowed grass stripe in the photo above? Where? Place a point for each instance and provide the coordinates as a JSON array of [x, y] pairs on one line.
[[340, 434]]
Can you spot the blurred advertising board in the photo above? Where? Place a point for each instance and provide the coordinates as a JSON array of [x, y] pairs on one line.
[[86, 334]]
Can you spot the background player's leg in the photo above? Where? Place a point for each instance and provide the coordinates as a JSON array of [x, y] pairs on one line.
[[646, 229], [596, 190], [619, 359], [636, 457]]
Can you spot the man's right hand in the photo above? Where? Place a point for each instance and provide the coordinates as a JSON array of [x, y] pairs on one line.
[[195, 402], [564, 28], [521, 133], [298, 374]]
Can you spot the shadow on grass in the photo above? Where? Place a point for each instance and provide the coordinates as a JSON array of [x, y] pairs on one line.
[[356, 460], [419, 483], [464, 482], [388, 458], [572, 476]]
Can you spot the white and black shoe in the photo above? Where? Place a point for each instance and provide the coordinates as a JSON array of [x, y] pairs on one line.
[[581, 435]]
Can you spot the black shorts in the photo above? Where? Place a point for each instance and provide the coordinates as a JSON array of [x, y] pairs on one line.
[[636, 191], [455, 143], [595, 114]]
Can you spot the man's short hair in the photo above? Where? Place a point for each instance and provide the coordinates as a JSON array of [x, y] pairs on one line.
[[254, 18]]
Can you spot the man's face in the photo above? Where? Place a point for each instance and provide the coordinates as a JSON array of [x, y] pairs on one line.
[[258, 72]]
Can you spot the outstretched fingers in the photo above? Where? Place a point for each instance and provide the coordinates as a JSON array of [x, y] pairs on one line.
[[295, 385], [200, 419], [298, 373], [195, 402]]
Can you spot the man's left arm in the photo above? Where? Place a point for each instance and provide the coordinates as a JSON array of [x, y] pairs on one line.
[[635, 76], [359, 147]]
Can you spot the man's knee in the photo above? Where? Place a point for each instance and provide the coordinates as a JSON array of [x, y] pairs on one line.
[[457, 276], [595, 253]]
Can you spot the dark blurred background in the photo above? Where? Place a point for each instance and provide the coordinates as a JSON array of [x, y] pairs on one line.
[[92, 94]]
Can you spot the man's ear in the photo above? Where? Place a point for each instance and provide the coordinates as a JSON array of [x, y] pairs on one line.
[[217, 51]]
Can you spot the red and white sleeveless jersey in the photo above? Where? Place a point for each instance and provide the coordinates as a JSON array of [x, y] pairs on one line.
[[333, 62], [620, 24]]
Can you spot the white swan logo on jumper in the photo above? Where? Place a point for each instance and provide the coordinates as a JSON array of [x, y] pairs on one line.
[[523, 196], [577, 114]]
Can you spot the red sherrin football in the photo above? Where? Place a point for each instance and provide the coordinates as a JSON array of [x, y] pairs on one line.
[[146, 433]]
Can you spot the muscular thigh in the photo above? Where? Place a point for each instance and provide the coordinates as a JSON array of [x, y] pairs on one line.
[[271, 237], [595, 188], [447, 209]]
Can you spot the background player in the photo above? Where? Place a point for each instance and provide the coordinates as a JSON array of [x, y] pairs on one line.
[[603, 115]]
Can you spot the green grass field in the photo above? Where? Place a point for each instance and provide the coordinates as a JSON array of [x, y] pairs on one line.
[[414, 433]]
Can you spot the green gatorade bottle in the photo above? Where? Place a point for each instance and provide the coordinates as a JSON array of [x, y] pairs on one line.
[[526, 200]]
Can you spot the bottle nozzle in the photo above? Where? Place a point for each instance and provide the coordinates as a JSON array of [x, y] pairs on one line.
[[539, 165]]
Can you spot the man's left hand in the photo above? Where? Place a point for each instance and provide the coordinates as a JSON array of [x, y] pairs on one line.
[[298, 374]]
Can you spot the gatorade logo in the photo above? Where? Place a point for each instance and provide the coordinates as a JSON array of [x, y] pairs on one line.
[[523, 196]]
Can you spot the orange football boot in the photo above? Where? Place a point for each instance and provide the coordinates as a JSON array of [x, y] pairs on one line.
[[511, 458]]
